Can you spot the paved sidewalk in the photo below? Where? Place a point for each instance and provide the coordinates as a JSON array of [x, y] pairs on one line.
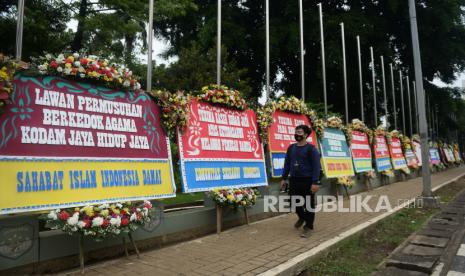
[[261, 246]]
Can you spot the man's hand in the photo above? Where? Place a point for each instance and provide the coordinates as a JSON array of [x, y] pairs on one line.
[[283, 184], [315, 188]]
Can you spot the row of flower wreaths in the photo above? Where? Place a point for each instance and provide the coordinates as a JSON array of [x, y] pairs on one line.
[[105, 220]]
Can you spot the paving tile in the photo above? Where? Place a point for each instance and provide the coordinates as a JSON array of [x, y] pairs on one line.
[[273, 242]]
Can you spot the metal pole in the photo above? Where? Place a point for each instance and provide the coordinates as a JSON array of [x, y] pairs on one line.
[[416, 107], [434, 121], [267, 27], [430, 118], [323, 62], [302, 69], [393, 96], [360, 78], [218, 45], [19, 30], [345, 72], [384, 91], [150, 44], [437, 121], [421, 102], [409, 106], [402, 101], [375, 109]]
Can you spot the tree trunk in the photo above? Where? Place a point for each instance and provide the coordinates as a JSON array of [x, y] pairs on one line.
[[129, 47], [78, 37]]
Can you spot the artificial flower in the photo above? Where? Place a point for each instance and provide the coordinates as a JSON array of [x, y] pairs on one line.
[[291, 104], [235, 197], [100, 221], [87, 67]]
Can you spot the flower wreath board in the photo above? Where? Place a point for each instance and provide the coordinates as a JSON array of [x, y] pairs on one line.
[[336, 157], [281, 136], [449, 156], [360, 147], [412, 161], [381, 152], [66, 143], [417, 149], [435, 159], [410, 157], [220, 146], [457, 156], [397, 156]]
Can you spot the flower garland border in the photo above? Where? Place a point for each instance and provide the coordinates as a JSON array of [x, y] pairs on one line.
[[75, 67], [8, 69], [222, 96], [287, 104], [393, 134], [235, 197], [174, 109], [331, 122], [99, 221], [82, 67], [358, 125]]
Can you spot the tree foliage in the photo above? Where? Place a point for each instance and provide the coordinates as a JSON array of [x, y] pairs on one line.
[[117, 29], [44, 27], [382, 24]]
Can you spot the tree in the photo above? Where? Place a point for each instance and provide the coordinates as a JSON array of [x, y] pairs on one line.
[[381, 24], [112, 28], [44, 27], [193, 70]]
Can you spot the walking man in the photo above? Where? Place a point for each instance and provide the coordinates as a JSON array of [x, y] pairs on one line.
[[302, 166]]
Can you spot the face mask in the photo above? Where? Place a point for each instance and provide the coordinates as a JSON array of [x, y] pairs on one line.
[[298, 137]]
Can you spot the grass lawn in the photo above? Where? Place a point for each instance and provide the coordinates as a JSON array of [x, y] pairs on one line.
[[361, 254]]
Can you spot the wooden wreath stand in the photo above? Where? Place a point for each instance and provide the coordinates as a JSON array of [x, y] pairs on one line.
[[219, 217], [336, 187], [385, 179], [367, 182], [81, 249]]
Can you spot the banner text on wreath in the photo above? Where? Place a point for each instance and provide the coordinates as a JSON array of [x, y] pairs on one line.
[[64, 143], [382, 157], [220, 148], [336, 157], [70, 118], [361, 152], [222, 127]]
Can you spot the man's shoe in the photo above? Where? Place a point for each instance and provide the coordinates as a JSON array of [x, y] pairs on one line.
[[306, 233], [299, 223]]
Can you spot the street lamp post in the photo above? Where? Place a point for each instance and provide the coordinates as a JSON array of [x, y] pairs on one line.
[[393, 90], [402, 100], [345, 73], [409, 106], [323, 62], [374, 86], [19, 30], [360, 78], [267, 34], [384, 92], [416, 106], [302, 53], [218, 45], [150, 44], [427, 192]]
